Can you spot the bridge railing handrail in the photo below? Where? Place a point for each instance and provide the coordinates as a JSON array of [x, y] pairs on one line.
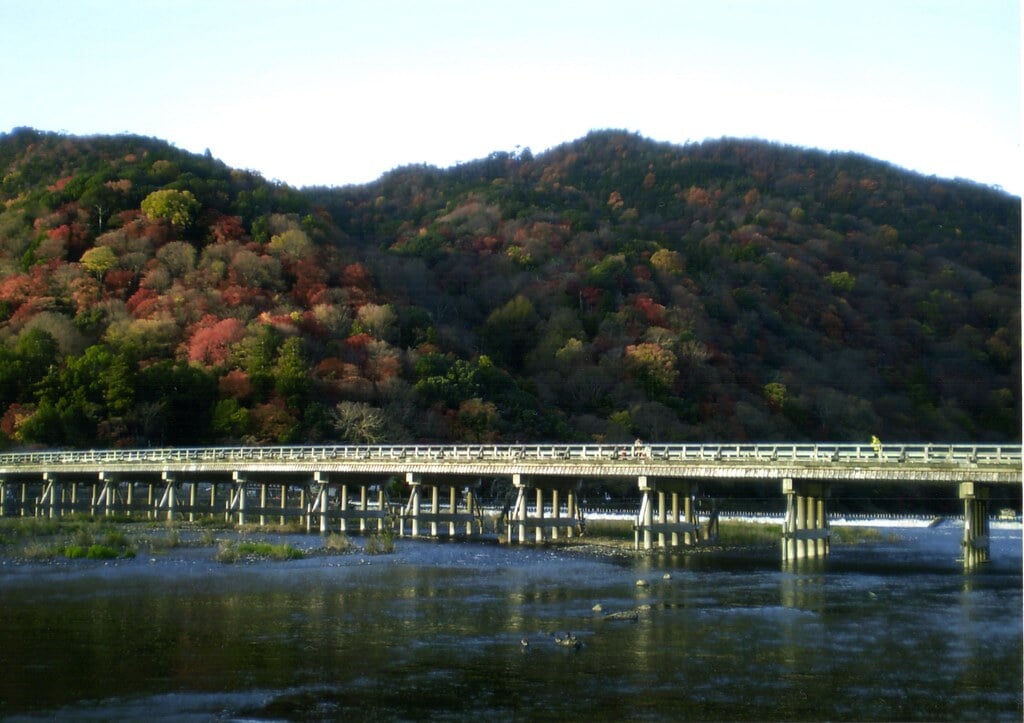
[[712, 453]]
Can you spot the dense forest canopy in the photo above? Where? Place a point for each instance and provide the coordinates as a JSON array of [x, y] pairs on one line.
[[607, 289]]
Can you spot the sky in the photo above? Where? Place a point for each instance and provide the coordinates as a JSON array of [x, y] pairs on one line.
[[338, 92]]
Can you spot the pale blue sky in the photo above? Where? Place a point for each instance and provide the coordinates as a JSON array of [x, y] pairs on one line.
[[336, 92]]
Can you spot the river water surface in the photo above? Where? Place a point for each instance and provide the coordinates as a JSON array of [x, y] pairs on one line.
[[893, 630]]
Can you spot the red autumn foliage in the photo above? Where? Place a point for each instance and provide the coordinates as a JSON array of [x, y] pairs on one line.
[[227, 228], [211, 345], [118, 279], [142, 303], [235, 385], [356, 276]]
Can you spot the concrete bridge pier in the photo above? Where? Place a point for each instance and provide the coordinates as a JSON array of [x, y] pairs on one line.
[[169, 498], [519, 522], [47, 496], [106, 498], [318, 491], [805, 530], [235, 503], [976, 524], [412, 507], [660, 514], [3, 496], [442, 515]]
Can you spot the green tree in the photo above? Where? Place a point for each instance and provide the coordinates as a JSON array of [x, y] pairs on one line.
[[509, 331], [181, 397], [230, 419], [291, 374], [99, 260], [179, 208]]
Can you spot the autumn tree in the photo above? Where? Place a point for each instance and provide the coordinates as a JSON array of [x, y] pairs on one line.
[[652, 366]]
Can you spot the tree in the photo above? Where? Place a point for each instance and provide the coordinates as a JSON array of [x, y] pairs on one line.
[[478, 418], [98, 260], [508, 333], [211, 345], [652, 366], [359, 422], [179, 208], [291, 374], [185, 395]]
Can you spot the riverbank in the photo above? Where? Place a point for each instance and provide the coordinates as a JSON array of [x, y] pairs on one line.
[[104, 538], [100, 538]]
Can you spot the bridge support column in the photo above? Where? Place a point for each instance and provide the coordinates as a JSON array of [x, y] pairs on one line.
[[343, 504], [516, 524], [284, 502], [544, 526], [3, 496], [659, 514], [321, 482], [805, 530], [108, 493], [47, 498], [976, 524], [412, 508], [263, 504], [236, 498], [364, 506], [169, 499]]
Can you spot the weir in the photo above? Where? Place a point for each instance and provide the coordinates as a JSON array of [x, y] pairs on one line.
[[344, 487]]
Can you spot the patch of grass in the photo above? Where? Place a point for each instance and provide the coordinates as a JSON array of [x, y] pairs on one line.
[[382, 543], [610, 529], [213, 522], [41, 550], [338, 542], [74, 552], [229, 552], [731, 532], [857, 535], [288, 528]]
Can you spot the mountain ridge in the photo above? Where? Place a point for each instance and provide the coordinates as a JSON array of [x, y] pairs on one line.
[[609, 288]]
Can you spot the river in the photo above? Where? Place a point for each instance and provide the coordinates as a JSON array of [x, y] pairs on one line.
[[892, 630]]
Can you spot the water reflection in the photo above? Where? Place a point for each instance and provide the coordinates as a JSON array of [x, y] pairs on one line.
[[880, 632]]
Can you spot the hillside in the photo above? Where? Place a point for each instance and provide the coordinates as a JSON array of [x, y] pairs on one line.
[[608, 289]]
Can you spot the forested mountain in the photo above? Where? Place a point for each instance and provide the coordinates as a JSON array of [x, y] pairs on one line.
[[608, 289]]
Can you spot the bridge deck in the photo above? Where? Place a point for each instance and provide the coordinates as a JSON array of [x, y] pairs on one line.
[[925, 463]]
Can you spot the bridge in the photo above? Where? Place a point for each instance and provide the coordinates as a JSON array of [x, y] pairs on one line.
[[345, 484]]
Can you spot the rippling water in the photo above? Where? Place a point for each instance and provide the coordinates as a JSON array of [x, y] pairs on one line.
[[886, 631]]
